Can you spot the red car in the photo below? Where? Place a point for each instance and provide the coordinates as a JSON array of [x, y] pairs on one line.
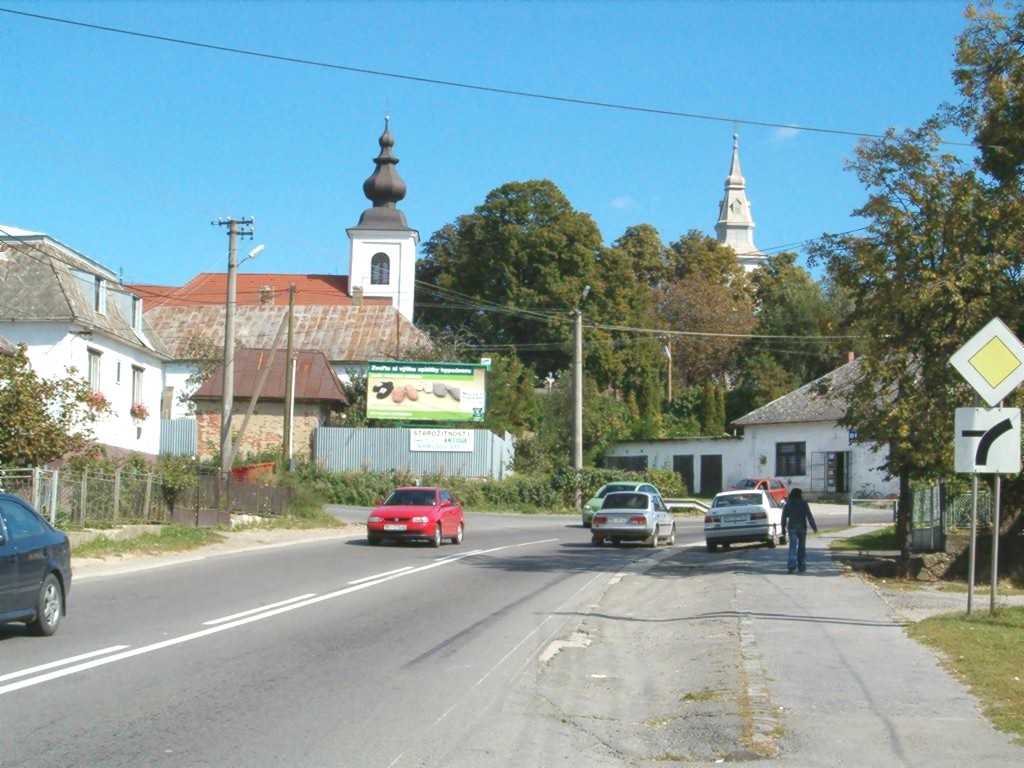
[[773, 486], [417, 513]]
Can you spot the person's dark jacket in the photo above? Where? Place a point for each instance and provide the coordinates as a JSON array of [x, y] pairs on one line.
[[798, 514]]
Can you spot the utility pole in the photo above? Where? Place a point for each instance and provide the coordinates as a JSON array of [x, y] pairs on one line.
[[668, 354], [289, 379], [236, 228], [577, 393]]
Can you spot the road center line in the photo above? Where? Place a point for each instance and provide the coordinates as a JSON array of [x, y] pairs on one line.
[[222, 619], [381, 575], [463, 554], [233, 624], [60, 662]]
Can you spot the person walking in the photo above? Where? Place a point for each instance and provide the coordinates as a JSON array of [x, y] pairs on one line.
[[797, 514]]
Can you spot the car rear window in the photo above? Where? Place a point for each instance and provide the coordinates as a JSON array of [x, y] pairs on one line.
[[748, 483], [615, 489], [625, 501], [410, 498], [737, 500]]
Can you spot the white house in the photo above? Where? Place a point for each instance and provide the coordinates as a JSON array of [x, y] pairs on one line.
[[71, 312], [796, 437]]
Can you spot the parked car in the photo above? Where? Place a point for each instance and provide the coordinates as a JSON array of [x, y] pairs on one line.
[[594, 504], [774, 486], [433, 514], [633, 516], [738, 516], [35, 568]]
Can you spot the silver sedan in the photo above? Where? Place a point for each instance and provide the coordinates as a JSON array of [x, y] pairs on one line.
[[633, 516]]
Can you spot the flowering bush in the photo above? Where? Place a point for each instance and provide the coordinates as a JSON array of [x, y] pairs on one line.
[[139, 412], [97, 401]]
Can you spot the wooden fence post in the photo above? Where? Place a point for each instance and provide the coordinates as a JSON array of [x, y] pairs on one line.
[[117, 493], [83, 496], [149, 495]]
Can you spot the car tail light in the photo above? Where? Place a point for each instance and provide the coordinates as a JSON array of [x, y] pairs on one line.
[[759, 516], [600, 519], [638, 519], [711, 519]]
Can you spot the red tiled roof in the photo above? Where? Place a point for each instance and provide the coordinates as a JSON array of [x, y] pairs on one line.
[[209, 288], [314, 377]]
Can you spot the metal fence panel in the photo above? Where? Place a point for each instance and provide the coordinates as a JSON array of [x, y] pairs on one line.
[[375, 449], [178, 437]]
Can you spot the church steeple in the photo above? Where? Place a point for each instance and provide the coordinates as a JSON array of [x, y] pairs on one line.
[[735, 226], [384, 188]]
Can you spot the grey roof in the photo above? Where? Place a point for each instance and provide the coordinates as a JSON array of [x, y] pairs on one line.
[[823, 399], [43, 280], [342, 333]]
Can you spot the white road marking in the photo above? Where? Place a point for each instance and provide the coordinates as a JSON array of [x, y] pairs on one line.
[[60, 662], [393, 762], [380, 575], [463, 554], [222, 619], [266, 614]]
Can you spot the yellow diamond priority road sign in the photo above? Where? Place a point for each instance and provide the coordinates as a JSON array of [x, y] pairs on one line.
[[992, 361]]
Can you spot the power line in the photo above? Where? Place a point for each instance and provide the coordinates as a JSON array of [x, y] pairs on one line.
[[463, 85]]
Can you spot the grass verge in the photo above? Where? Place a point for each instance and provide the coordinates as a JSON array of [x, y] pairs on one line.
[[882, 539], [318, 519], [985, 651], [172, 538]]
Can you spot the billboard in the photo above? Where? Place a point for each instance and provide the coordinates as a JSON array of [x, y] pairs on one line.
[[404, 391]]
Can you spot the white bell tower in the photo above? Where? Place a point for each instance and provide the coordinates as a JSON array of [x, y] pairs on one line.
[[735, 226], [382, 247]]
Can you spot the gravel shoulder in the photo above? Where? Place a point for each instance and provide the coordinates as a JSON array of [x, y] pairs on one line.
[[234, 542]]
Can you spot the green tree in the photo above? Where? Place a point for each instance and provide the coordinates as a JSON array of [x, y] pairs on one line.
[[177, 474], [512, 401], [762, 378], [645, 253], [43, 419]]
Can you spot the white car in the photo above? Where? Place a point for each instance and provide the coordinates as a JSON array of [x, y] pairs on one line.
[[633, 516], [738, 516]]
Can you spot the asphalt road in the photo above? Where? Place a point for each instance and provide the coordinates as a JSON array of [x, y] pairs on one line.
[[324, 654]]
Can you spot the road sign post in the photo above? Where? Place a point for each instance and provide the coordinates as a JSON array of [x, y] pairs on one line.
[[992, 362]]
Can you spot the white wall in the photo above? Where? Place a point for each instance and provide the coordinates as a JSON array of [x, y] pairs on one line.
[[401, 249], [753, 455], [52, 349], [176, 376]]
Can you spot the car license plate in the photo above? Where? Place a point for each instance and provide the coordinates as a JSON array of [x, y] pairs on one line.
[[394, 526], [738, 518]]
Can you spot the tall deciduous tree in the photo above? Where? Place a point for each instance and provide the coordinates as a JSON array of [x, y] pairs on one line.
[[42, 419]]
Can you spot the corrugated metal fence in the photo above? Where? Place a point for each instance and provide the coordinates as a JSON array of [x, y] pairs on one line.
[[344, 449], [178, 437]]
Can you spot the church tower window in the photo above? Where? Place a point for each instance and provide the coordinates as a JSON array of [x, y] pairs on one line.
[[380, 269]]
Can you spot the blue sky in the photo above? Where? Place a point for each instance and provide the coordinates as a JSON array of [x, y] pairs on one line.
[[126, 149]]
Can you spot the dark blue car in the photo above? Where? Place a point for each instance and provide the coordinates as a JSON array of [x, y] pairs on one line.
[[35, 568]]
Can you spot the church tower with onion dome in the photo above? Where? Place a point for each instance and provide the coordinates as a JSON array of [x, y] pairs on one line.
[[382, 252], [735, 226]]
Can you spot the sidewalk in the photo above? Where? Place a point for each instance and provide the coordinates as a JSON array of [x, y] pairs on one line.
[[235, 542], [702, 658]]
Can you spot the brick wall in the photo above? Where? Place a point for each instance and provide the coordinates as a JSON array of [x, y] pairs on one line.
[[265, 429]]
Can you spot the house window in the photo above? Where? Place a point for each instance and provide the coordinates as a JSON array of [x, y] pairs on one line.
[[137, 314], [789, 459], [380, 269], [100, 296], [136, 385], [94, 370], [117, 375]]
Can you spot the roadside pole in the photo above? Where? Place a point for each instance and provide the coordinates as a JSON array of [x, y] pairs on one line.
[[577, 392], [995, 540], [289, 380], [974, 539]]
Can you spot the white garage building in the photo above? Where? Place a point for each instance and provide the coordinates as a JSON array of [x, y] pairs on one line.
[[796, 437]]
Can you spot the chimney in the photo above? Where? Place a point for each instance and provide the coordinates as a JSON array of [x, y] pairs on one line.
[[266, 295], [849, 356], [357, 296]]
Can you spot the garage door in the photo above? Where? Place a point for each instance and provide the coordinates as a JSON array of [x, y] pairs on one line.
[[710, 475]]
